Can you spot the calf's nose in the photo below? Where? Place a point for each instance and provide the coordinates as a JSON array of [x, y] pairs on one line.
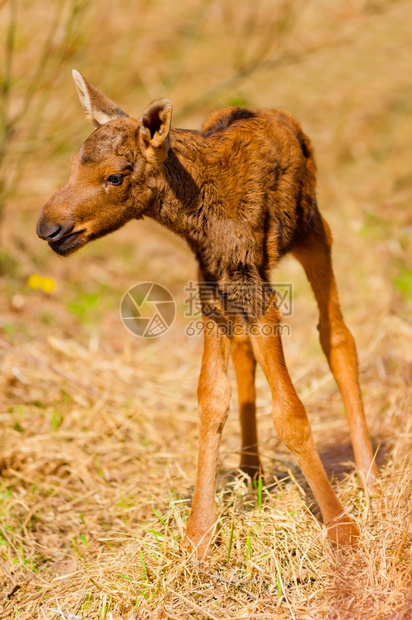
[[49, 232]]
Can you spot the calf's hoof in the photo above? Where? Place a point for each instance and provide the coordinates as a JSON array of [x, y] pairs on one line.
[[199, 535], [199, 545], [343, 532], [251, 467], [372, 481]]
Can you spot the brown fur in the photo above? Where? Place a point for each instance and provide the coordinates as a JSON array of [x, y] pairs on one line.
[[242, 193]]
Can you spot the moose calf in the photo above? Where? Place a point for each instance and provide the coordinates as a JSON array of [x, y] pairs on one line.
[[242, 193]]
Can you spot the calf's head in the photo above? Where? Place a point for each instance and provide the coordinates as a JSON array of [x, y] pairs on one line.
[[113, 176]]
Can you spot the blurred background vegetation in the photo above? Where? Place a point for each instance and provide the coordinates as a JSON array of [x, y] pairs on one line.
[[344, 69]]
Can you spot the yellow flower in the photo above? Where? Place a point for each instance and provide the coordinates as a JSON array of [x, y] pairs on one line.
[[43, 283], [48, 285], [34, 281]]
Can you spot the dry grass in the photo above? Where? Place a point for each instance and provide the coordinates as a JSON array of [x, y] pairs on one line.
[[98, 451], [96, 492]]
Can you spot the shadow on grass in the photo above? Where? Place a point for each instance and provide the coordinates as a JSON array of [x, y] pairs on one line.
[[338, 460]]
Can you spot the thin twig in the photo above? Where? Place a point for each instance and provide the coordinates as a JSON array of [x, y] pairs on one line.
[[229, 582], [192, 604]]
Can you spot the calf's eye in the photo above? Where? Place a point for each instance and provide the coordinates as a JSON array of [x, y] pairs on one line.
[[115, 179]]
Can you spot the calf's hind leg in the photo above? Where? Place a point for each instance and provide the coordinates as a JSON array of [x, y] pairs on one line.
[[314, 253], [245, 366]]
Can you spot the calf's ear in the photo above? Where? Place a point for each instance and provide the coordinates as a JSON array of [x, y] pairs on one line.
[[154, 130], [98, 108]]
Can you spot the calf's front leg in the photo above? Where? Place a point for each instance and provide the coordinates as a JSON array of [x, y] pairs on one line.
[[214, 401], [292, 425]]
